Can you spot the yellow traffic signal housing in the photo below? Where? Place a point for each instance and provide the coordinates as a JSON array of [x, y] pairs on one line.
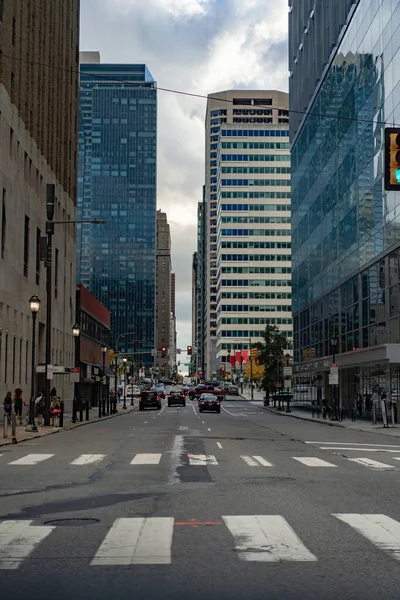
[[392, 158], [189, 350]]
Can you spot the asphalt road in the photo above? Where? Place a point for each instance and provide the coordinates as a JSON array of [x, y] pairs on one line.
[[174, 504]]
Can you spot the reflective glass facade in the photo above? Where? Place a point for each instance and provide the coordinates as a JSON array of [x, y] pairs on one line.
[[345, 226], [117, 182]]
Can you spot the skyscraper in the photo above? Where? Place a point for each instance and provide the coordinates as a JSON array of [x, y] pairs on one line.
[[346, 247], [253, 224], [243, 110], [163, 292], [38, 119], [117, 182]]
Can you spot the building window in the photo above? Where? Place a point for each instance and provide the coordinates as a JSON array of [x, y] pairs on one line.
[[56, 274], [38, 255], [26, 246], [14, 26], [3, 222]]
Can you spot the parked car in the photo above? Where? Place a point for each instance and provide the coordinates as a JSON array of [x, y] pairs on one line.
[[209, 402], [233, 390], [149, 399]]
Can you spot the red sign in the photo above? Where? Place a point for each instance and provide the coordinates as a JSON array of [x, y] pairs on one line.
[[75, 370]]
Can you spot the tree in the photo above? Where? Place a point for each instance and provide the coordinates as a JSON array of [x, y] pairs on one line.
[[270, 354], [257, 371]]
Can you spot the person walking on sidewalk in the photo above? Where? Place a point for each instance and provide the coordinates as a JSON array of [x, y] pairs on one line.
[[19, 402], [7, 403]]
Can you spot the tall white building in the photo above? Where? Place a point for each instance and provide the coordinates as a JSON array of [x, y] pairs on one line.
[[252, 244]]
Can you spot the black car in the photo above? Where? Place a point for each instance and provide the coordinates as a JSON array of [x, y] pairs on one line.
[[149, 399], [209, 402], [176, 397]]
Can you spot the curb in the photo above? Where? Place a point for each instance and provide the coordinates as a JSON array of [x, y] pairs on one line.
[[66, 428]]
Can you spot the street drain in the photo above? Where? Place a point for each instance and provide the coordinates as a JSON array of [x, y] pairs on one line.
[[72, 522]]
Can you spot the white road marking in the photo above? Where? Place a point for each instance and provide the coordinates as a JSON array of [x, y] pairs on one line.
[[381, 530], [395, 457], [202, 459], [137, 541], [357, 444], [311, 461], [194, 410], [219, 446], [358, 449], [269, 538], [88, 459], [250, 461], [146, 459], [227, 411], [368, 462], [145, 422], [262, 461], [161, 410], [176, 460], [18, 539], [208, 429], [203, 422], [31, 459]]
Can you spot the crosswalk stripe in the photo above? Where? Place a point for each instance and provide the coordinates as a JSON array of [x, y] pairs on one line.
[[31, 459], [18, 539], [381, 530], [146, 459], [270, 538], [396, 457], [356, 444], [312, 461], [368, 462], [262, 461], [137, 541], [202, 459], [88, 459]]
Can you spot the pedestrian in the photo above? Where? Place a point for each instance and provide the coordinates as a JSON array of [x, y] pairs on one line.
[[39, 405], [7, 403], [19, 402], [55, 409], [53, 392], [359, 404]]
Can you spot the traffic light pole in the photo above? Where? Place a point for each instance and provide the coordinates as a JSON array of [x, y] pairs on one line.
[[251, 372]]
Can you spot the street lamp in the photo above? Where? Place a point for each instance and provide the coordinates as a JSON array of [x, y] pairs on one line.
[[124, 360], [76, 331], [102, 412], [34, 305], [334, 342]]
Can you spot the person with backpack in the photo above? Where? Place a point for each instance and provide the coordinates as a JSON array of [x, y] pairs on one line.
[[19, 403], [7, 404]]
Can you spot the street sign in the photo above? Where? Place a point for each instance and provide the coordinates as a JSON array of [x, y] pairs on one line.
[[49, 374], [333, 379], [334, 370], [288, 371]]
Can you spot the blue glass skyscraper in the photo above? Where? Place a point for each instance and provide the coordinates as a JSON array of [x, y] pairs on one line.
[[117, 182]]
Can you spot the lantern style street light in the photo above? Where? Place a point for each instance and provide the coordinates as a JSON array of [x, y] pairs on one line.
[[34, 305]]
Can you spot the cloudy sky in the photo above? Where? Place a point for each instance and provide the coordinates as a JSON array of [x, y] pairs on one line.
[[197, 46]]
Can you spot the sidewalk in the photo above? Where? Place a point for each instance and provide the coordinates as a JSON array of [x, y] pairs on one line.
[[22, 435], [304, 414]]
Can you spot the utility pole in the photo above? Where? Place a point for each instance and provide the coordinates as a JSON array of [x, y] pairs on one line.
[[251, 372]]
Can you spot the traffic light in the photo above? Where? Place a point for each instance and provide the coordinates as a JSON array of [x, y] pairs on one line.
[[254, 355], [163, 351], [179, 363], [392, 158], [189, 350]]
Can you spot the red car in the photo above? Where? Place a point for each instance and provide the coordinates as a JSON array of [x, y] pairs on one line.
[[206, 389]]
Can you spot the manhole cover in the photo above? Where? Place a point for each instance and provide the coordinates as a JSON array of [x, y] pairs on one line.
[[72, 522]]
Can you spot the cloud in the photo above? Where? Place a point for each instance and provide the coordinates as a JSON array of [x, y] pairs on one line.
[[197, 46]]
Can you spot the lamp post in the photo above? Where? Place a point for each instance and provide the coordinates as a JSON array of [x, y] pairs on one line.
[[34, 305], [76, 331], [124, 360], [334, 342], [104, 352]]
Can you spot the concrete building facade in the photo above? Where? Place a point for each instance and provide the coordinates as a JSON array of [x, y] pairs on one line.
[[253, 225], [163, 292], [38, 146]]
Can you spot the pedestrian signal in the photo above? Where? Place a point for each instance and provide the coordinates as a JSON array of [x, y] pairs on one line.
[[392, 158]]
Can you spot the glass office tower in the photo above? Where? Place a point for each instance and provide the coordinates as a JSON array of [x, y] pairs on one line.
[[117, 182], [346, 228]]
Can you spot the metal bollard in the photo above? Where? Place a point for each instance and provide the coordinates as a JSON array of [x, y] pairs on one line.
[[87, 410], [81, 409], [14, 428], [108, 405], [99, 408], [61, 419], [288, 406], [104, 407], [5, 426], [74, 410], [374, 413]]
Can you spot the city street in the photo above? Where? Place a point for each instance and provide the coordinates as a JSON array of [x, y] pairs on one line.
[[177, 504]]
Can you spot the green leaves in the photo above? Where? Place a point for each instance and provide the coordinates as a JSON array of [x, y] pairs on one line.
[[271, 355]]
